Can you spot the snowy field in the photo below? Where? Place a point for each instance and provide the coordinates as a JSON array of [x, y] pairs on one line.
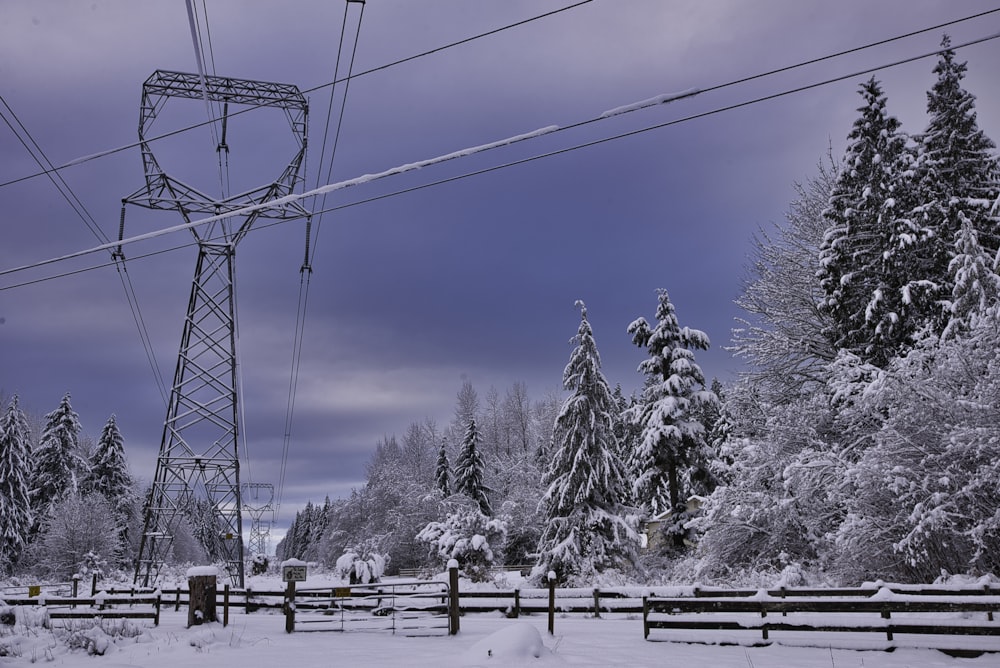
[[486, 639]]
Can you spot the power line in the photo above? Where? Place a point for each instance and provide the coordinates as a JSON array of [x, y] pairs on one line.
[[38, 155], [102, 154], [305, 272], [506, 142]]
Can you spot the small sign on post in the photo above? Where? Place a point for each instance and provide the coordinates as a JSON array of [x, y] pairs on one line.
[[292, 571]]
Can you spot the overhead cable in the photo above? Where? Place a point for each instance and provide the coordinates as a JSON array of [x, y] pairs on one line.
[[74, 202], [102, 154], [486, 147]]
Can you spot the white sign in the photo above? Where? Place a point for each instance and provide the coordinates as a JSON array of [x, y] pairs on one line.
[[293, 573]]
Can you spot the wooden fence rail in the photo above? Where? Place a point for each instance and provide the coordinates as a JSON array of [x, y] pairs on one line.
[[515, 602], [829, 614], [99, 607]]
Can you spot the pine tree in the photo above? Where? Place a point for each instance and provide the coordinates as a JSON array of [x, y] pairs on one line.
[[15, 508], [957, 179], [58, 465], [109, 474], [668, 415], [859, 296], [976, 286], [442, 474], [469, 471], [585, 531]]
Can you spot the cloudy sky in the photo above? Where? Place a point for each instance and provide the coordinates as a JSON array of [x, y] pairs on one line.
[[472, 279]]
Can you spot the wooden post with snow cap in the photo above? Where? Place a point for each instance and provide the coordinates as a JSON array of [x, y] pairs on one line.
[[292, 571], [201, 594], [552, 603], [453, 596]]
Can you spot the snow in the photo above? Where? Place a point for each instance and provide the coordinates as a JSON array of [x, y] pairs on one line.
[[518, 642], [258, 640], [202, 571], [651, 102]]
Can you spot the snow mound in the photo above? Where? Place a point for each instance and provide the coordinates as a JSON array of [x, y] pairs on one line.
[[517, 644]]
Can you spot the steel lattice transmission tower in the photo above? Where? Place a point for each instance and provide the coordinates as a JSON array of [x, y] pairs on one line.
[[198, 468], [257, 501]]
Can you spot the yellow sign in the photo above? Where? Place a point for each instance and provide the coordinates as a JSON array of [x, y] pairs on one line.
[[342, 592], [34, 590]]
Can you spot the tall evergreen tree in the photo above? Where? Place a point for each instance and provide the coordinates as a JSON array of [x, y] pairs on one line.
[[469, 470], [15, 508], [442, 473], [861, 298], [672, 401], [585, 531], [59, 467], [957, 179], [109, 474]]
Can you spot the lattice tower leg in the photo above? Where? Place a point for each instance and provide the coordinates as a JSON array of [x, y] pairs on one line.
[[197, 476]]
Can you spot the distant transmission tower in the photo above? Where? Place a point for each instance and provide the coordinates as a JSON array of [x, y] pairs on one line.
[[257, 502], [198, 468]]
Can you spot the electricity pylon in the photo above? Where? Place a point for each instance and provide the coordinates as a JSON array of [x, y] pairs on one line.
[[257, 501], [198, 468]]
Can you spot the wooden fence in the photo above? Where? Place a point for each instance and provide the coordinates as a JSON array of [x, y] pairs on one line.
[[895, 609], [898, 610], [102, 606]]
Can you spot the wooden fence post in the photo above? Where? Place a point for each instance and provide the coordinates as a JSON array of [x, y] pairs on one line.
[[645, 618], [290, 607], [552, 602], [202, 591], [225, 606], [597, 603], [76, 585], [453, 608], [517, 603], [93, 585]]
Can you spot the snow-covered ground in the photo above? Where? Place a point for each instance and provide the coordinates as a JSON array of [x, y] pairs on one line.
[[487, 639]]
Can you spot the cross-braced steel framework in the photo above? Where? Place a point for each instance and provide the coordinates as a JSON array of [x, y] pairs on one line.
[[198, 461], [257, 502]]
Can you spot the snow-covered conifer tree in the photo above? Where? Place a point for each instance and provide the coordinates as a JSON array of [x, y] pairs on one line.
[[957, 180], [976, 287], [672, 402], [859, 294], [585, 528], [469, 471], [442, 474], [109, 474], [15, 508], [59, 467]]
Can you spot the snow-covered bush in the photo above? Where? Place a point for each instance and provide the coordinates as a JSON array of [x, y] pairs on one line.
[[73, 534], [361, 566], [468, 536], [259, 564]]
